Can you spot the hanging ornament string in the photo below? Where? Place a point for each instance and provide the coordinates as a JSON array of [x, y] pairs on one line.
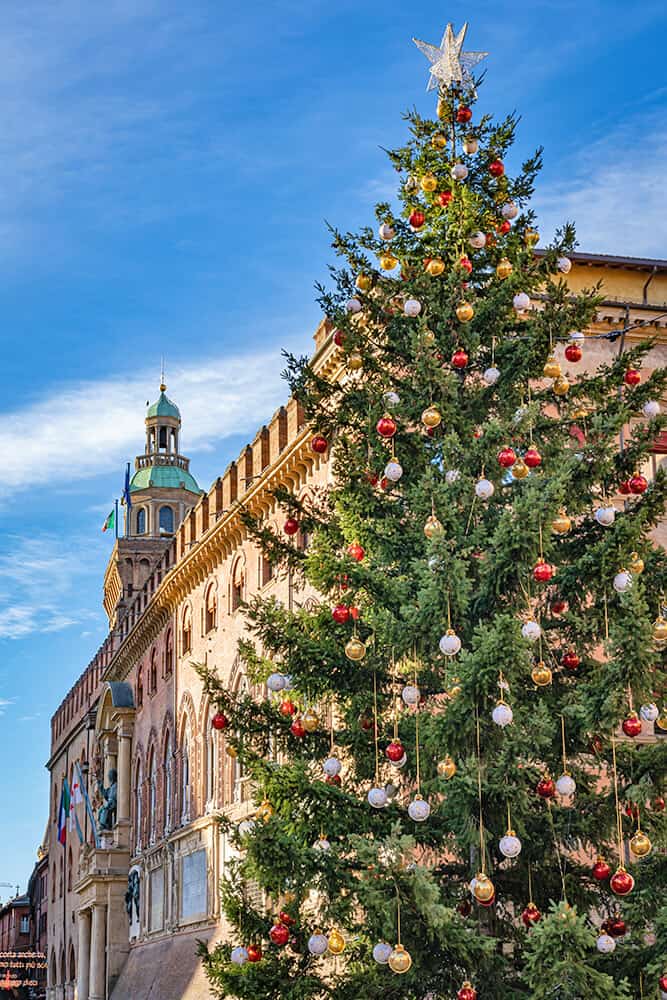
[[331, 725], [530, 883], [375, 727], [482, 856], [417, 773], [539, 526], [619, 822], [398, 915], [562, 733], [530, 426], [606, 617], [557, 850]]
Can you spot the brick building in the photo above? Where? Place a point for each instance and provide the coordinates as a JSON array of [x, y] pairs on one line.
[[172, 592]]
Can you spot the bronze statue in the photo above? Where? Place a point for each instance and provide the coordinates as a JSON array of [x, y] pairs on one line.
[[133, 894], [106, 814]]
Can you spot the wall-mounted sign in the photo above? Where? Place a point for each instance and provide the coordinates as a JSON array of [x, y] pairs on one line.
[[21, 969]]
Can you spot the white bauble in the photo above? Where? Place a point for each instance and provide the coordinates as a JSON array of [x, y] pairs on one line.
[[419, 810], [502, 714], [510, 210], [470, 145], [391, 398], [318, 944], [245, 827], [521, 301], [459, 171], [622, 581], [412, 307], [484, 489], [649, 712], [606, 944], [576, 337], [377, 797], [386, 232], [239, 955], [393, 471], [289, 682], [477, 240], [450, 644], [322, 844], [531, 630], [605, 516], [651, 409], [564, 265], [332, 766], [275, 682], [510, 846], [391, 791], [411, 694], [353, 306], [451, 476], [566, 785], [433, 563], [519, 414], [491, 375], [381, 952]]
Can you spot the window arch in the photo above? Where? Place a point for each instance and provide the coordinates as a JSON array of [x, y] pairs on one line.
[[169, 653], [211, 608], [152, 796], [63, 970], [166, 520], [185, 775], [152, 673], [238, 775], [168, 764], [138, 811], [141, 521], [72, 964], [237, 585], [211, 744], [186, 630], [140, 690], [53, 974]]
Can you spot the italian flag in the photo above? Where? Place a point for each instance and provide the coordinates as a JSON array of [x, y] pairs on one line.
[[63, 813], [110, 521]]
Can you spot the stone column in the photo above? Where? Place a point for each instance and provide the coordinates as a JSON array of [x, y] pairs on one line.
[[98, 953], [83, 979], [124, 773]]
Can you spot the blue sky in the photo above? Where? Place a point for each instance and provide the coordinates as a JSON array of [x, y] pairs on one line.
[[165, 173]]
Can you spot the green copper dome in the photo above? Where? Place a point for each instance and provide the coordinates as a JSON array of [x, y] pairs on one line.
[[163, 475], [163, 407]]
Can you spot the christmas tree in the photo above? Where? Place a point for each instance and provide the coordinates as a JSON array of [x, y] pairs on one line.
[[451, 797]]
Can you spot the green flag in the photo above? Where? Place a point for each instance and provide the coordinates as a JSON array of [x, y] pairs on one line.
[[110, 521]]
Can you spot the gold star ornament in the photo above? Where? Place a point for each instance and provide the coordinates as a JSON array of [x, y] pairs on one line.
[[450, 65]]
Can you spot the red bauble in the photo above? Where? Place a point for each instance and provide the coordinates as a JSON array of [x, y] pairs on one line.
[[285, 918], [291, 526], [319, 444], [624, 488], [570, 660], [463, 114], [444, 198], [632, 726], [638, 484], [546, 788], [254, 953], [662, 983], [287, 707], [279, 935], [467, 992], [459, 358], [506, 457], [219, 721], [466, 263], [339, 338], [395, 751], [573, 353], [543, 572], [334, 779], [386, 426], [558, 606], [531, 915], [504, 227], [632, 810], [632, 377], [496, 168], [417, 219], [356, 551], [601, 870], [658, 804], [616, 927], [297, 729], [532, 458], [371, 477], [366, 722], [340, 614], [490, 240], [621, 883]]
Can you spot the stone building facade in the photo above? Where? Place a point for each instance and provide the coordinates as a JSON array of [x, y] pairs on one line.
[[125, 913]]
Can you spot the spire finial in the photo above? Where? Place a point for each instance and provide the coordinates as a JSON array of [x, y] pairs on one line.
[[163, 387]]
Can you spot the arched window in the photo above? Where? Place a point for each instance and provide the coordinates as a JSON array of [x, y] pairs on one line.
[[186, 633], [239, 778], [72, 964], [238, 585], [167, 783], [53, 974], [185, 778], [63, 971], [138, 811], [166, 520], [152, 674], [140, 690], [141, 521], [53, 888], [211, 765], [152, 806], [70, 865], [211, 612], [169, 654]]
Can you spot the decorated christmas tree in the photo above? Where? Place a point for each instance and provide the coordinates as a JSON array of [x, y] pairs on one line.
[[455, 796]]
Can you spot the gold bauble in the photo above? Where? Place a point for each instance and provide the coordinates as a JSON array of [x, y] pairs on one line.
[[364, 282], [446, 768], [504, 268], [438, 141], [428, 338], [399, 960], [265, 811], [388, 262], [561, 386], [310, 720], [435, 267], [432, 527], [661, 721], [355, 649], [541, 674], [464, 312], [443, 108], [660, 629], [484, 888], [431, 416], [531, 237], [429, 182], [231, 751], [470, 145], [520, 470], [640, 845], [355, 361], [336, 943], [636, 564], [561, 524], [455, 690], [552, 368]]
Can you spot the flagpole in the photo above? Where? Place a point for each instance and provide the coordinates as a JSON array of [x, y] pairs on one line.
[[116, 518]]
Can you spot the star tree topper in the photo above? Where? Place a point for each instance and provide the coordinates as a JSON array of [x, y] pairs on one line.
[[449, 64]]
